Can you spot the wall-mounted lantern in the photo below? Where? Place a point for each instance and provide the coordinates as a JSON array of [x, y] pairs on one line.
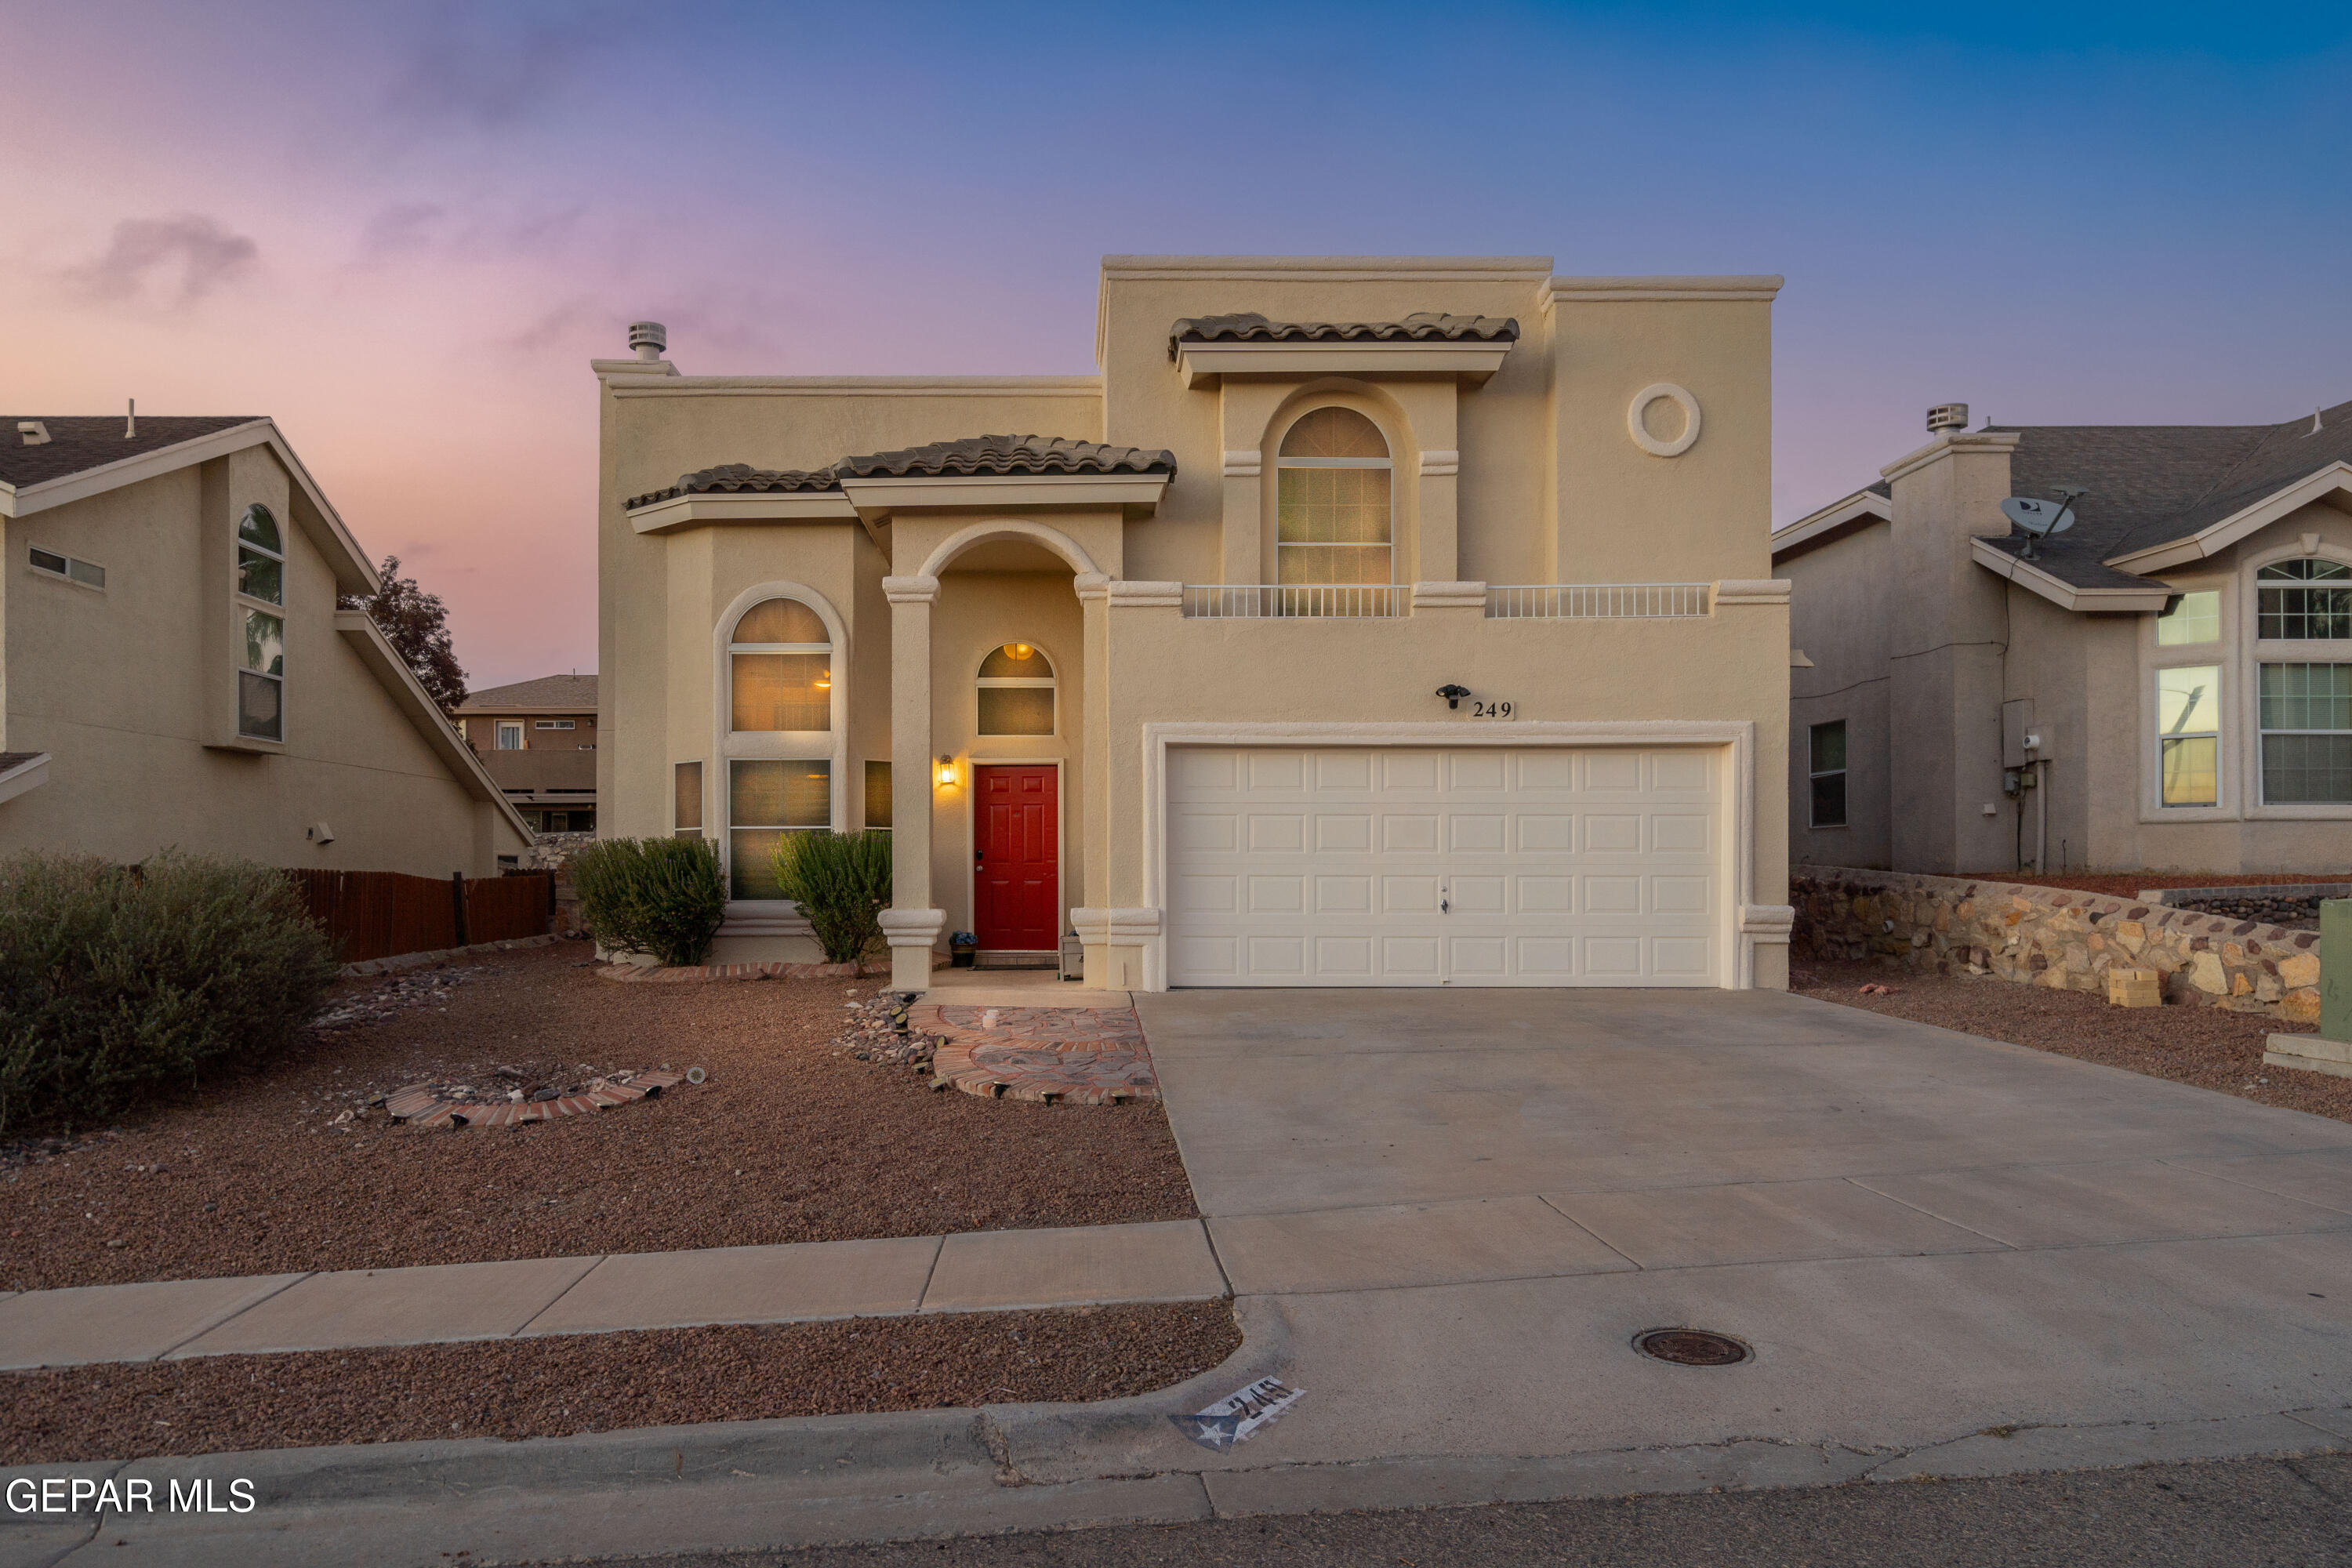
[[947, 770]]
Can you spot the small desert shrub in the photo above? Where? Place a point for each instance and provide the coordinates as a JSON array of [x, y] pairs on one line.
[[117, 981], [842, 883], [659, 896]]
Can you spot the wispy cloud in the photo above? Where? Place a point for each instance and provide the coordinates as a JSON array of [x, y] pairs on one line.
[[472, 69], [175, 260]]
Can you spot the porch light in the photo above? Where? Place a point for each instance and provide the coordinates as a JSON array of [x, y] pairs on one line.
[[947, 769], [1016, 650]]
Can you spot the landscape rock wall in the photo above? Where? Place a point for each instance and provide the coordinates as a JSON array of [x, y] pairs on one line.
[[2051, 936]]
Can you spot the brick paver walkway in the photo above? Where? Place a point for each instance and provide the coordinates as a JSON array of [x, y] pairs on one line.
[[1065, 1056]]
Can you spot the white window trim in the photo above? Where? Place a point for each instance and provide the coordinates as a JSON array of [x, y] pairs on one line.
[[747, 917], [244, 601], [1277, 462], [2253, 652], [37, 570], [2220, 735], [554, 724], [2230, 751], [1845, 773], [498, 735], [1051, 683]]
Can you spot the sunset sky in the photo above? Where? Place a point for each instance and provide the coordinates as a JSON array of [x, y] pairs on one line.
[[401, 230]]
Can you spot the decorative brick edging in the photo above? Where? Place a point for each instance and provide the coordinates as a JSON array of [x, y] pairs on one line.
[[400, 961], [639, 974], [1056, 1055], [421, 1106], [2053, 936]]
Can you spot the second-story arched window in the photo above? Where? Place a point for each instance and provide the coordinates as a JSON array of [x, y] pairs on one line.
[[780, 670], [1016, 691], [1334, 512]]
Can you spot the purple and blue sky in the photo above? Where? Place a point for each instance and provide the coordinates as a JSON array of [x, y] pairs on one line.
[[402, 229]]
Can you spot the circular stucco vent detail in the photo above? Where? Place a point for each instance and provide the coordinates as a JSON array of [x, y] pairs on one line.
[[1637, 419]]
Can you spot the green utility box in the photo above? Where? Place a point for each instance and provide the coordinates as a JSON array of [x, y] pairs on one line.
[[2330, 1050]]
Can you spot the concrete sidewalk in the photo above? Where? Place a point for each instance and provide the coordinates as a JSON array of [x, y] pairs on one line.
[[974, 1271]]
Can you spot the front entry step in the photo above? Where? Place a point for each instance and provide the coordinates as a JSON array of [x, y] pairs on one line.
[[1013, 960]]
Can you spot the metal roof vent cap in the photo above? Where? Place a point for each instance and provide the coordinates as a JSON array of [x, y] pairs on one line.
[[1947, 416], [648, 339]]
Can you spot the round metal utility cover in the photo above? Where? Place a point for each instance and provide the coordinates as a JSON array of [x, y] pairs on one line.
[[1691, 1347]]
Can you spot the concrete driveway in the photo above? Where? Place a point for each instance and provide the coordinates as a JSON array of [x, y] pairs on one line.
[[1454, 1211]]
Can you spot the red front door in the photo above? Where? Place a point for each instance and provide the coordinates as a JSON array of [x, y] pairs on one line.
[[1016, 864]]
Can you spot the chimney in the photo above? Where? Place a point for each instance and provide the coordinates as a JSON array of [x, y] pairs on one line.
[[1947, 416], [648, 339]]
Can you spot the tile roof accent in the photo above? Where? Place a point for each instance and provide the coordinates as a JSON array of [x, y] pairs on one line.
[[991, 455], [79, 442], [2147, 485], [1421, 327], [576, 691], [1040, 454], [742, 479]]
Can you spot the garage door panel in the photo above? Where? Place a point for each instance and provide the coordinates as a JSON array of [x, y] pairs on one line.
[[1556, 865]]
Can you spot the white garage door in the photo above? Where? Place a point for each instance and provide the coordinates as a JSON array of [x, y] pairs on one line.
[[1400, 865]]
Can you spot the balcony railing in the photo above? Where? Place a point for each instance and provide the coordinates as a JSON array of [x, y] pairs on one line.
[[1596, 601], [1268, 601]]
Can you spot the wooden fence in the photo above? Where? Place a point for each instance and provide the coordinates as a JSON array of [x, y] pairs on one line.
[[378, 914]]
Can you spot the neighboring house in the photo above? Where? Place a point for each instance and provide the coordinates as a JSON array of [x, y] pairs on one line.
[[537, 739], [176, 673], [2166, 684], [1364, 622]]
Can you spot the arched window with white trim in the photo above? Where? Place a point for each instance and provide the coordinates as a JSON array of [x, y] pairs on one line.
[[261, 603], [1016, 691], [780, 670], [780, 704], [1335, 515], [2303, 634]]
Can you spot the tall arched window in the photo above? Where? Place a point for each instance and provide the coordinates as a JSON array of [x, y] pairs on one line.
[[780, 670], [1016, 691], [2304, 641], [780, 688], [1334, 516], [261, 600]]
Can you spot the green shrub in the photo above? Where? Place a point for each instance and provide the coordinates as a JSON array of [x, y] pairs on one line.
[[659, 896], [842, 883], [117, 981]]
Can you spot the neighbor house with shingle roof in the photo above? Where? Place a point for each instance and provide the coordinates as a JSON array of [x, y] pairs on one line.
[[2164, 684], [538, 739], [1360, 621], [176, 673]]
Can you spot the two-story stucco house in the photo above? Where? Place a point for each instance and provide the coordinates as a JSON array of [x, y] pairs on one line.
[[2164, 684], [538, 740], [176, 673], [1386, 621]]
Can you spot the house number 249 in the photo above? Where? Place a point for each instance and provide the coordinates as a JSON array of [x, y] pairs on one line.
[[1490, 710]]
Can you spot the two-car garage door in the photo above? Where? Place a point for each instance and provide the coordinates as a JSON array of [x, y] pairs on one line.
[[1409, 865]]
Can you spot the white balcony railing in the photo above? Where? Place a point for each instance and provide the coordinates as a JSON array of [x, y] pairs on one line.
[[1268, 601], [1596, 601]]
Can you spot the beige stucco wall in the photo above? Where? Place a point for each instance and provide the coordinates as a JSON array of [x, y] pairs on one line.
[[1550, 488], [1902, 608], [113, 685]]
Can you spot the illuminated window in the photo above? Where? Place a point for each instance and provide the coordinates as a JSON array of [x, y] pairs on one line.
[[877, 796], [766, 800], [780, 670], [1016, 691], [2188, 734], [1333, 513], [686, 800]]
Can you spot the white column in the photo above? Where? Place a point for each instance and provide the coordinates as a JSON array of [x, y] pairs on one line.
[[912, 925]]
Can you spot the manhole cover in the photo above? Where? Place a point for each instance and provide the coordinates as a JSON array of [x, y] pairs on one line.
[[1691, 1347]]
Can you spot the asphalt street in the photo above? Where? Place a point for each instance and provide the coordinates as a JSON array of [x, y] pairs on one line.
[[2238, 1513]]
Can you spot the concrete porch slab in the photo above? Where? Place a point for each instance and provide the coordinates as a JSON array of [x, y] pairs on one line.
[[788, 1283], [1409, 1244], [1002, 1270], [122, 1322], [396, 1306], [1769, 1221], [2132, 1200]]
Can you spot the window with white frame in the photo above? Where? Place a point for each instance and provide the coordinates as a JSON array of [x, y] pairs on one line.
[[2189, 734], [1016, 691], [74, 570], [780, 670], [511, 735], [554, 724], [765, 801], [2303, 601], [2306, 724], [2190, 618], [1334, 517], [261, 611], [1826, 748]]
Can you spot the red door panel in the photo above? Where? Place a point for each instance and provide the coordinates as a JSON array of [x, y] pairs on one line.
[[1016, 876]]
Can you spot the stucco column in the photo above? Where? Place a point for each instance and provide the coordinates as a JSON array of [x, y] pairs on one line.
[[912, 925]]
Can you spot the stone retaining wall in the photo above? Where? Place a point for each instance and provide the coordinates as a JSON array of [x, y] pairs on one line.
[[2051, 936]]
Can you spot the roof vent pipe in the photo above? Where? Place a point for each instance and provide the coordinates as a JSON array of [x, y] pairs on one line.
[[648, 339], [131, 422], [1947, 416]]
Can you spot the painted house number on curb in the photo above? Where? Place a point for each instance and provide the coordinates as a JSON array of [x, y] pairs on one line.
[[1490, 709]]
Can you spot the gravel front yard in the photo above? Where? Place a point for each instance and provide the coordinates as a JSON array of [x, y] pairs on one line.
[[788, 1140], [2203, 1046], [558, 1386]]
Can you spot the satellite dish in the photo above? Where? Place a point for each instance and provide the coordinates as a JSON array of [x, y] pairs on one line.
[[2037, 517]]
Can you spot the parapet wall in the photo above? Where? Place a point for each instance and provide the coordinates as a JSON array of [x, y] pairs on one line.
[[2052, 936]]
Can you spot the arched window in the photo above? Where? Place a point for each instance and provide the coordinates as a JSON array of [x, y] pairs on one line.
[[780, 670], [1333, 512], [261, 603], [2306, 706], [2305, 601], [1016, 691]]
